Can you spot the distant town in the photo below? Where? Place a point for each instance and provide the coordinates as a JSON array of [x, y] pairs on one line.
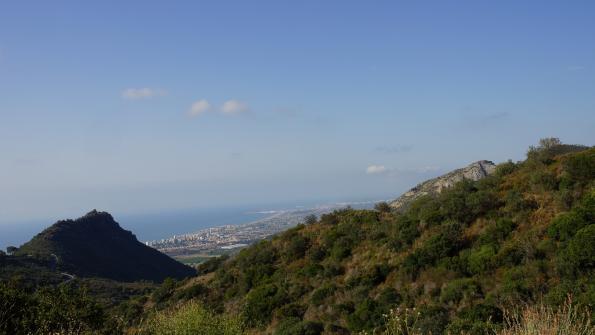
[[224, 239]]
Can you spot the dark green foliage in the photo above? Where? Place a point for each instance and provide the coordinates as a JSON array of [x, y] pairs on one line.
[[580, 168], [389, 297], [506, 168], [432, 319], [192, 292], [405, 232], [460, 289], [322, 293], [579, 256], [260, 304], [211, 265], [295, 326], [310, 219], [445, 243], [565, 225], [341, 248], [296, 248], [497, 233], [165, 290], [481, 259], [367, 315], [382, 207], [292, 310], [63, 309]]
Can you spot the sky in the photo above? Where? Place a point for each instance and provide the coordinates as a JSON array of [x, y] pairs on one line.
[[146, 106]]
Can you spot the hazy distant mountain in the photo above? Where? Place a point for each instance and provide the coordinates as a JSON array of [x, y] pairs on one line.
[[96, 246], [474, 171]]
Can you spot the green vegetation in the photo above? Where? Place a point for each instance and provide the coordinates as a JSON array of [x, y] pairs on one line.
[[189, 318], [51, 310], [523, 234], [450, 264]]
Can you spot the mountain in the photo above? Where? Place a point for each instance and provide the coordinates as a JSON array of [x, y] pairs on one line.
[[474, 171], [464, 257], [96, 246]]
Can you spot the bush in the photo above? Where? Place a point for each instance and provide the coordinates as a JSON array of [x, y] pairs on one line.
[[211, 265], [405, 232], [481, 260], [296, 248], [310, 219], [341, 248], [50, 310], [443, 244], [164, 291], [497, 233], [579, 256], [382, 207], [459, 289], [295, 326], [322, 293], [260, 303], [580, 168], [191, 318]]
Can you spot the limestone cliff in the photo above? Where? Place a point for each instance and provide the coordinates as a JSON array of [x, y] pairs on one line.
[[473, 171]]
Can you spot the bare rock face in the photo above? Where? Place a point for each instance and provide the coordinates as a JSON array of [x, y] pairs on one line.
[[474, 171]]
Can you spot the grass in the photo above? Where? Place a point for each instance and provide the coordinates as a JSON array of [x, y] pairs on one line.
[[188, 319], [544, 320], [539, 319]]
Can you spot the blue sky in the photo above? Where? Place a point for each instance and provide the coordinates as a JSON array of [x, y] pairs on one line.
[[156, 105]]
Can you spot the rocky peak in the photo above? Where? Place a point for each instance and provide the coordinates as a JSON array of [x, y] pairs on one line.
[[474, 171]]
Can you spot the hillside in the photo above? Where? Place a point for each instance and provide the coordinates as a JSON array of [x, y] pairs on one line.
[[474, 172], [523, 234], [96, 246]]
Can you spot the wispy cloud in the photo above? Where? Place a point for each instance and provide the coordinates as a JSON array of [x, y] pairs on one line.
[[376, 169], [575, 68], [390, 172], [199, 107], [142, 93], [395, 149], [231, 107], [484, 120]]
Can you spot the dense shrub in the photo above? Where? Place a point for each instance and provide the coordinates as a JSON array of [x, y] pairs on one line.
[[295, 326], [191, 318], [260, 303], [51, 310], [459, 289], [481, 259], [579, 256]]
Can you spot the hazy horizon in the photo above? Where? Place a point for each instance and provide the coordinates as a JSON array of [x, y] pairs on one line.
[[146, 107]]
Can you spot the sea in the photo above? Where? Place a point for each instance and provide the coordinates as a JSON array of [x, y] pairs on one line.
[[150, 226]]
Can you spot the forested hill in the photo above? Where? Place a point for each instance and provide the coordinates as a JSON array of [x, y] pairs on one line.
[[96, 246], [524, 234]]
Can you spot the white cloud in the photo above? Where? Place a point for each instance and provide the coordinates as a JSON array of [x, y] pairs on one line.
[[376, 169], [233, 107], [199, 107], [142, 93]]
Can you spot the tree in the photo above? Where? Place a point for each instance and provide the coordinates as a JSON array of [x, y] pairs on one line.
[[310, 219], [382, 207], [549, 142], [11, 250]]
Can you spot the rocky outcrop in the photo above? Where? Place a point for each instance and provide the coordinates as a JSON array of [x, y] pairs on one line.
[[474, 171]]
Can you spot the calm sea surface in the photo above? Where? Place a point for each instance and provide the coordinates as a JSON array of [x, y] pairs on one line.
[[157, 225]]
